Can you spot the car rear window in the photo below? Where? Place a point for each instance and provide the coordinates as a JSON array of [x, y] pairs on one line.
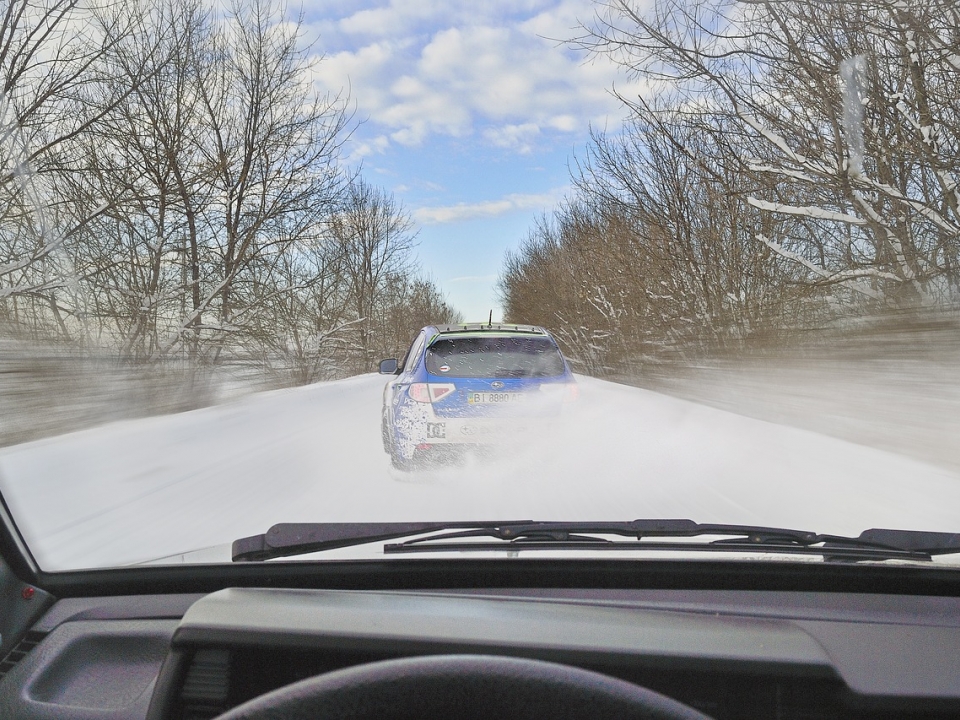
[[495, 357]]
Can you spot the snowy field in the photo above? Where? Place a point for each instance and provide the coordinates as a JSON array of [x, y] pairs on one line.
[[141, 489]]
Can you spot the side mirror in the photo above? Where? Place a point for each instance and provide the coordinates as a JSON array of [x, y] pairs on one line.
[[388, 367]]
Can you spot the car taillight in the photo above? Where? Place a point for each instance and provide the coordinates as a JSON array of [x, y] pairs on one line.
[[430, 392], [419, 392], [573, 391]]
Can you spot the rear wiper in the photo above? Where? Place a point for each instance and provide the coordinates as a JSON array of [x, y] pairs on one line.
[[288, 539]]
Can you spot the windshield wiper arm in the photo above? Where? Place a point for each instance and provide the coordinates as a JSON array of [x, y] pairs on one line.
[[288, 539]]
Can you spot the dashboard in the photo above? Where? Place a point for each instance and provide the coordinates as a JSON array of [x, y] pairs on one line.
[[727, 653]]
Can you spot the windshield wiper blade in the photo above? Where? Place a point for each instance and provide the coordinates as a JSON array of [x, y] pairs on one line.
[[288, 539], [873, 544]]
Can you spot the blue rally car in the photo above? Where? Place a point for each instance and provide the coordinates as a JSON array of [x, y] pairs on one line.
[[462, 387]]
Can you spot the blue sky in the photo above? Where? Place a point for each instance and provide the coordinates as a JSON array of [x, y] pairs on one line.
[[470, 116]]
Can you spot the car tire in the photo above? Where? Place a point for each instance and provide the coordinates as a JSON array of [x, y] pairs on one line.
[[390, 447], [399, 462], [385, 435]]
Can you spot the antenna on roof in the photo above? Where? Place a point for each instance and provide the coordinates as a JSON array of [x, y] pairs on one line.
[[490, 320]]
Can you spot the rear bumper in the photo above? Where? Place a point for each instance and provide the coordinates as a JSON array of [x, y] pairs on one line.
[[481, 431], [420, 425]]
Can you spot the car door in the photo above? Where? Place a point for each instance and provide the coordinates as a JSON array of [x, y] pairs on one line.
[[405, 376]]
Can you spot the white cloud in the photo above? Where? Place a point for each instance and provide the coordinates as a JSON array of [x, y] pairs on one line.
[[489, 208], [514, 137], [398, 16], [561, 20], [417, 69], [565, 123], [366, 148]]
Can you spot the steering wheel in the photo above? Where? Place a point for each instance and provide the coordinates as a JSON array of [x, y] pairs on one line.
[[473, 687]]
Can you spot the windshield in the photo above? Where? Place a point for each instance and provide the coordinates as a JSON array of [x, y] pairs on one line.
[[494, 357], [394, 262]]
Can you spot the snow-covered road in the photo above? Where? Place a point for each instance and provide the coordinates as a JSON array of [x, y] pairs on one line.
[[135, 490]]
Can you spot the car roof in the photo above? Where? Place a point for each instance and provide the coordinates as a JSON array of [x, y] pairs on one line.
[[494, 328]]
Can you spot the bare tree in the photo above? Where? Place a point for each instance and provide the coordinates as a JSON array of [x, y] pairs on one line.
[[650, 259], [376, 237], [273, 156], [844, 115], [201, 213], [51, 92], [792, 162], [408, 302], [140, 258]]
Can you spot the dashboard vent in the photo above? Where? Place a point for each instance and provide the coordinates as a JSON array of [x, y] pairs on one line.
[[206, 685], [20, 650]]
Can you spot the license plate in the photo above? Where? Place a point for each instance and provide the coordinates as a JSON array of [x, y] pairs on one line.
[[494, 398]]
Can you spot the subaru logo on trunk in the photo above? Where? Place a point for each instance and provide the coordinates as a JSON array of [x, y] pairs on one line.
[[496, 384]]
